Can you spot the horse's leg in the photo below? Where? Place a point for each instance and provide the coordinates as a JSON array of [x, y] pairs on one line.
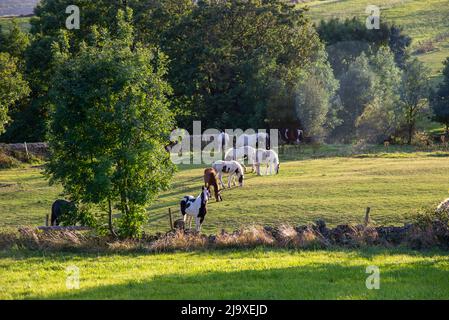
[[197, 224], [220, 176]]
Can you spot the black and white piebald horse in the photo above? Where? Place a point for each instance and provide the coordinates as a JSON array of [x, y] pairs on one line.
[[291, 135], [192, 207], [232, 168]]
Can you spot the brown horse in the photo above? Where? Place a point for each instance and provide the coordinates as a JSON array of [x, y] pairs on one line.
[[211, 179]]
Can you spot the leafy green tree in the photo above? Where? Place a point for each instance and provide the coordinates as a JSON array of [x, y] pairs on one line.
[[357, 89], [229, 59], [12, 87], [440, 99], [381, 116], [347, 39], [415, 89], [109, 125], [15, 42], [315, 98]]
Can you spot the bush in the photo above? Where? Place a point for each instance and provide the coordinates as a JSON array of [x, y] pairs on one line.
[[7, 162], [429, 228]]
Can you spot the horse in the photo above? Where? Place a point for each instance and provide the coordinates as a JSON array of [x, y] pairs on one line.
[[252, 139], [195, 207], [240, 154], [269, 158], [289, 135], [233, 168], [211, 179], [59, 208]]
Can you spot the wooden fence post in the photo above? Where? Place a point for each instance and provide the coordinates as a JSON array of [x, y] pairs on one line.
[[26, 151], [171, 221], [367, 216]]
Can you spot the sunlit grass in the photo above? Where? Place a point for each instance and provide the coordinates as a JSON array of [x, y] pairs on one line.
[[246, 274], [336, 189]]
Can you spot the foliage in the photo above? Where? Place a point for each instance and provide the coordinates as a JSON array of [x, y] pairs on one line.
[[234, 61], [107, 144], [7, 162], [316, 105], [347, 39], [415, 89], [381, 116], [12, 87], [440, 99]]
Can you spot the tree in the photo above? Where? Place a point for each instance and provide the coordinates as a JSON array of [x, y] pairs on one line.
[[414, 92], [347, 39], [12, 87], [15, 42], [381, 116], [231, 59], [315, 98], [109, 125], [357, 89], [440, 99]]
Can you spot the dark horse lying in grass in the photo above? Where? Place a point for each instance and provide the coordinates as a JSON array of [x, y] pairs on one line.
[[59, 208]]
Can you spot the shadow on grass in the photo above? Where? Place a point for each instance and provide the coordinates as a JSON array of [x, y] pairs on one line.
[[312, 281]]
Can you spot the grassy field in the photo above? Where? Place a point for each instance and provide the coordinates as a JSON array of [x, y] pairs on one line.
[[336, 189], [248, 274], [421, 19]]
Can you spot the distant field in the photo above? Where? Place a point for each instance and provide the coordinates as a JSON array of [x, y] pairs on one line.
[[421, 19], [261, 273], [17, 7], [336, 189]]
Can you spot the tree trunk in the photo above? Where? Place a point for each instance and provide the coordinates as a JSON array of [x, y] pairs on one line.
[[410, 133], [111, 227]]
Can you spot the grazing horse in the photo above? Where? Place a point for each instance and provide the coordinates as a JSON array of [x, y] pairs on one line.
[[253, 140], [242, 153], [269, 158], [233, 168], [289, 135], [59, 208], [195, 207], [211, 179]]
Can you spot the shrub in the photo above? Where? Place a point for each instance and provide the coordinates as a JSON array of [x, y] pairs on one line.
[[429, 228], [7, 162]]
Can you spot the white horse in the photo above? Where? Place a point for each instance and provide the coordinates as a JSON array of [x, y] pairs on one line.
[[269, 158], [195, 207], [239, 154], [443, 206], [232, 168], [252, 139]]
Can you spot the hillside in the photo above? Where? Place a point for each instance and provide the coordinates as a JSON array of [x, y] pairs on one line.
[[425, 21], [17, 8]]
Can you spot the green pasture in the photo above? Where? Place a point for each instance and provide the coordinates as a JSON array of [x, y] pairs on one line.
[[245, 274], [336, 189]]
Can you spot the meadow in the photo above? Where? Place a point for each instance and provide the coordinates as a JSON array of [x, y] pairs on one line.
[[309, 187], [259, 273], [327, 184]]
